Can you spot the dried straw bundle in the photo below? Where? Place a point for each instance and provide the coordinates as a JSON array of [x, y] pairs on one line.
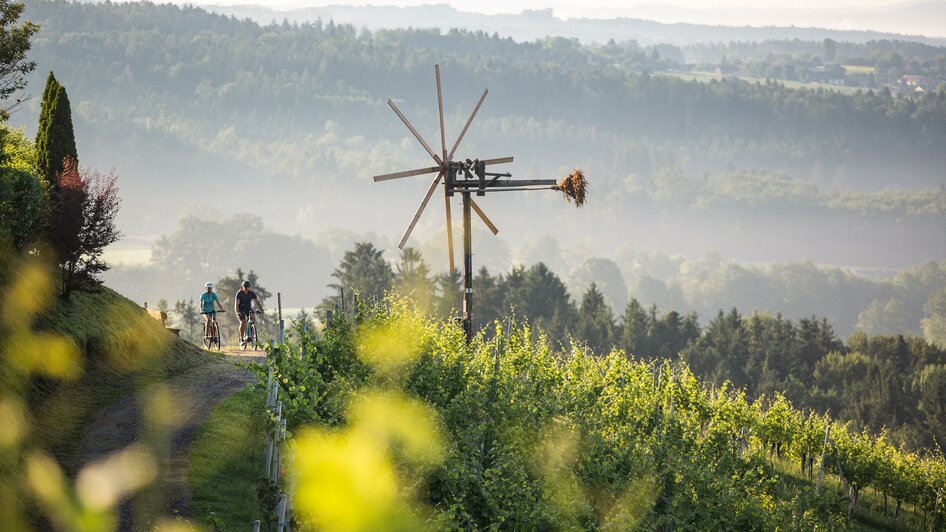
[[574, 187]]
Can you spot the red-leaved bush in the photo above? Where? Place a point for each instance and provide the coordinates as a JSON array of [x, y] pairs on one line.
[[82, 224]]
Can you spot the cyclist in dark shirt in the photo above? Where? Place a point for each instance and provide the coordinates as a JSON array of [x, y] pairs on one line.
[[243, 305]]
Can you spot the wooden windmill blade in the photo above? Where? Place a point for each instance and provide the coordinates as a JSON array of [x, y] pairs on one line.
[[443, 135], [501, 160], [420, 210], [467, 126], [446, 161], [446, 201], [414, 131], [406, 173], [482, 215]]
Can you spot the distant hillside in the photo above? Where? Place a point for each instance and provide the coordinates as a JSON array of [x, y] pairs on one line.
[[638, 23], [203, 113], [927, 18]]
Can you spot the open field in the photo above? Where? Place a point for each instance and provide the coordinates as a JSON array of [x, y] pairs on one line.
[[857, 69], [706, 77]]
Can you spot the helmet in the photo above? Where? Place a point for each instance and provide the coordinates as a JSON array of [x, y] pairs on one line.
[[246, 284], [209, 285]]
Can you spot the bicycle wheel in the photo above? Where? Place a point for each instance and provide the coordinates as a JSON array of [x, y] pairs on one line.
[[249, 331], [208, 339], [216, 336]]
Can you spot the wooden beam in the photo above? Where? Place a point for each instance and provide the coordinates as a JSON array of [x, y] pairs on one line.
[[446, 200], [406, 173], [443, 137], [467, 126], [518, 189], [420, 209], [483, 217], [501, 160], [414, 131], [473, 183]]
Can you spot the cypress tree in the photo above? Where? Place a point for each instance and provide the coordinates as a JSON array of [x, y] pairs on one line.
[[49, 94], [57, 140]]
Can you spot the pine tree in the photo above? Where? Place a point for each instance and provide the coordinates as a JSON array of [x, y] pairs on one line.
[[413, 278], [595, 321], [634, 330], [363, 271]]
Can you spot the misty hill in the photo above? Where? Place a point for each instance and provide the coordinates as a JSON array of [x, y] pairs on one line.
[[918, 17], [638, 23], [204, 113]]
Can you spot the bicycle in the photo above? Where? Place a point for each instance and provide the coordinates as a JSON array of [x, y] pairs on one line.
[[252, 334], [213, 329]]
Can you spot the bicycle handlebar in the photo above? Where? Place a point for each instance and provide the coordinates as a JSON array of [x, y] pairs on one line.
[[213, 312]]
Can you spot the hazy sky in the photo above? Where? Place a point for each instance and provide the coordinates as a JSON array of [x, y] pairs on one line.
[[837, 14], [515, 6]]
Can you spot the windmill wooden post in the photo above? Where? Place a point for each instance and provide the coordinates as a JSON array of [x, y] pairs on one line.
[[467, 177]]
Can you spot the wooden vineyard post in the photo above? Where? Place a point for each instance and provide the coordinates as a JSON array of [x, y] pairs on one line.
[[282, 324], [274, 454], [467, 270], [824, 450], [281, 513]]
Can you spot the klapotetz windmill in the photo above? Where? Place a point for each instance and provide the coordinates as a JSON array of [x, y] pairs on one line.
[[470, 177]]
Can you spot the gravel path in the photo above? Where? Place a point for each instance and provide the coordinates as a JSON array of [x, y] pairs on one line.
[[192, 396]]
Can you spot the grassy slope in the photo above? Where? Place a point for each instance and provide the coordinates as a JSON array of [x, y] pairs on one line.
[[226, 462], [125, 349]]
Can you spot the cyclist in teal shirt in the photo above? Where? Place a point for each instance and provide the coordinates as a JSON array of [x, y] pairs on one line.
[[207, 300]]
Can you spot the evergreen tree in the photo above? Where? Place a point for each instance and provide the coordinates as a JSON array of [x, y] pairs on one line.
[[634, 329], [931, 385], [595, 321], [490, 300], [815, 340], [363, 271], [189, 320], [55, 141], [934, 324], [722, 352], [540, 296], [449, 300], [413, 279], [49, 94]]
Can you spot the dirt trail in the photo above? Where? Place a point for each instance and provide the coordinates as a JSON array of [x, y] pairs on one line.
[[192, 397]]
